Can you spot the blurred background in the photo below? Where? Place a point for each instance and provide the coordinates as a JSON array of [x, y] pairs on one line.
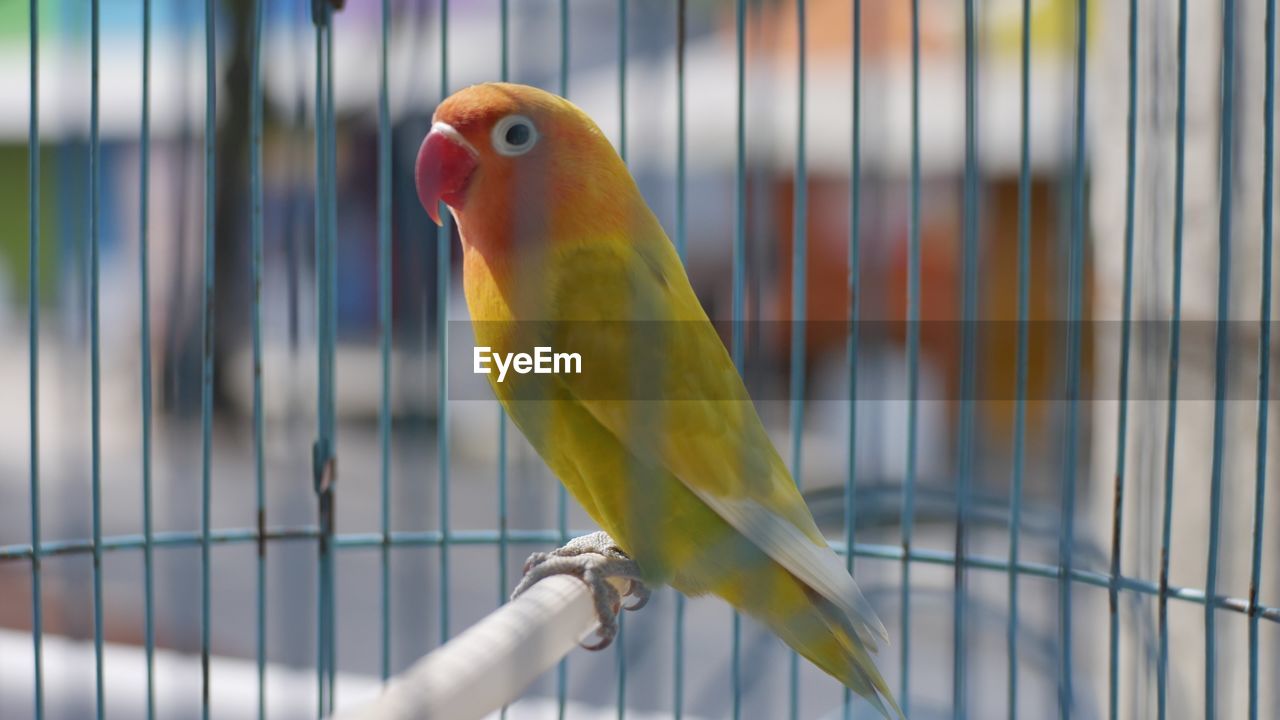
[[622, 68]]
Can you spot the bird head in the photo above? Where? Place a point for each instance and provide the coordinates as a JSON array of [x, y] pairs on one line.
[[509, 159]]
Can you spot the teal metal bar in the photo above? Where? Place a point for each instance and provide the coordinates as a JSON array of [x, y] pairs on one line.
[[738, 335], [504, 39], [95, 241], [968, 363], [207, 325], [144, 322], [320, 450], [95, 346], [855, 310], [913, 364], [1175, 341], [620, 659], [259, 443], [33, 345], [739, 256], [622, 79], [95, 350], [432, 538], [681, 149], [799, 295], [1075, 317], [1020, 404], [619, 642], [677, 666], [331, 309], [385, 330], [1264, 350], [1122, 421], [504, 11], [323, 458], [503, 521], [443, 248], [562, 495], [503, 539], [1225, 150], [564, 48]]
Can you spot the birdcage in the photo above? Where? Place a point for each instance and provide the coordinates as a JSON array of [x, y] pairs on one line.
[[997, 275]]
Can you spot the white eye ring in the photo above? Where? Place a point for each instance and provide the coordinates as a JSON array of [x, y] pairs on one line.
[[501, 137]]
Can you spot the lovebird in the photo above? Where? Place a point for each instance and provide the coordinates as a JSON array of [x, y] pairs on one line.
[[654, 434]]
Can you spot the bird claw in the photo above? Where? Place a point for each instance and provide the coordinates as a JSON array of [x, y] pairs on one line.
[[593, 559], [640, 592]]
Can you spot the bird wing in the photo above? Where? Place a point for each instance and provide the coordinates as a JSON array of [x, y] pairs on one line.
[[656, 375]]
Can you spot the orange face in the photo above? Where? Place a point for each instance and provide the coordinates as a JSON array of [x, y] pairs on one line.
[[511, 160]]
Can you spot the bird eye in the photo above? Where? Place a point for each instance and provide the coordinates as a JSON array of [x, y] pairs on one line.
[[514, 135]]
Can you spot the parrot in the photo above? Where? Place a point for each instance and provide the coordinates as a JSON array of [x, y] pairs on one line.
[[656, 436]]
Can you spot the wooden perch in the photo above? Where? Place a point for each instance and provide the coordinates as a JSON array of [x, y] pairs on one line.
[[492, 662]]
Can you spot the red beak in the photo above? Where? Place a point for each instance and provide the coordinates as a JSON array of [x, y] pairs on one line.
[[445, 163]]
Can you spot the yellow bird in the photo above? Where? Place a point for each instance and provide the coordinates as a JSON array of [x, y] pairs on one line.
[[654, 434]]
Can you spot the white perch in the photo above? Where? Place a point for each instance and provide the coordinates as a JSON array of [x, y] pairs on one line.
[[492, 662]]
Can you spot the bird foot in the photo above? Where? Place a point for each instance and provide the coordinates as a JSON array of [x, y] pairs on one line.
[[593, 559]]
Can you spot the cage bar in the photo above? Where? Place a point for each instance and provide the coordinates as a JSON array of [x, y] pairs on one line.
[[968, 362], [913, 368], [33, 345], [855, 311], [331, 309], [259, 441], [1179, 184], [95, 350], [431, 539], [1021, 361], [1075, 315], [677, 665], [207, 350], [1122, 420], [144, 283], [320, 450], [622, 79], [385, 329], [505, 50], [1226, 133], [620, 640], [1264, 350], [799, 296], [326, 280], [443, 249], [562, 495], [737, 339]]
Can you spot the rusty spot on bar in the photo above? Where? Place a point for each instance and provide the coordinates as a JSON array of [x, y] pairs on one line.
[[1117, 500], [328, 475], [262, 532], [333, 512], [1164, 573]]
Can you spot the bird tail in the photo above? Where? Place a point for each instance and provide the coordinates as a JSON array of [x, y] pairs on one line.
[[844, 656], [818, 630]]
